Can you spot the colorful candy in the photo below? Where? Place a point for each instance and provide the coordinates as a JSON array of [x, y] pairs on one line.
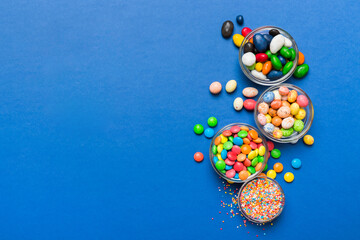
[[198, 157], [230, 86], [212, 122], [308, 140], [278, 167], [275, 153], [198, 129], [215, 88], [237, 39], [289, 177], [249, 104], [209, 132], [296, 163], [238, 104], [250, 92], [271, 174]]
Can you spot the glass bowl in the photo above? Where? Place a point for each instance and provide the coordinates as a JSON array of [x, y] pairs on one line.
[[307, 120], [238, 180], [247, 72], [243, 212]]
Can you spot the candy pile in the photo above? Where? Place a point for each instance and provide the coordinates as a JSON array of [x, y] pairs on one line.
[[238, 152], [261, 200], [283, 109]]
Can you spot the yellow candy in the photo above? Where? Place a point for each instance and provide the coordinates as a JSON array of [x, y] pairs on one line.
[[294, 108], [262, 151], [277, 133], [271, 174], [292, 96], [309, 140], [223, 139], [231, 182], [219, 156], [257, 152], [249, 173], [289, 177], [237, 39], [258, 66], [301, 114], [268, 118], [220, 148], [252, 155]]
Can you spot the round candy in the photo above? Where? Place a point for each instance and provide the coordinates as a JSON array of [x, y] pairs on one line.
[[302, 101], [294, 108], [289, 177], [301, 114], [263, 108], [238, 141], [198, 129], [240, 19], [220, 165], [245, 31], [277, 133], [250, 92], [228, 145], [261, 118], [212, 121], [275, 153], [238, 104], [231, 86], [248, 59], [287, 123], [296, 163], [209, 132], [243, 175], [198, 157], [268, 97], [308, 140], [298, 125], [292, 96], [249, 47], [283, 112], [227, 29], [215, 88], [278, 167], [270, 145], [249, 104], [271, 174], [269, 127], [230, 173], [283, 91]]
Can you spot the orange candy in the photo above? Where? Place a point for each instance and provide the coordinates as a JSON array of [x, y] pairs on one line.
[[258, 140], [276, 104], [278, 167], [258, 166], [217, 140], [301, 58], [198, 157], [244, 128], [272, 112], [243, 175], [246, 141], [266, 67], [253, 134], [241, 157], [245, 149], [285, 103], [262, 175], [276, 121]]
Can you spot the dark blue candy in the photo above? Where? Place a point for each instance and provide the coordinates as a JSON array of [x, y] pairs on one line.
[[240, 19], [260, 42], [282, 60], [268, 37], [273, 75]]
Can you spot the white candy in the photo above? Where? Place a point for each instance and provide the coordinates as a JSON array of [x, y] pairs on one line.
[[277, 43], [277, 95], [231, 86], [258, 75], [238, 103], [287, 122], [287, 42], [250, 92], [248, 59]]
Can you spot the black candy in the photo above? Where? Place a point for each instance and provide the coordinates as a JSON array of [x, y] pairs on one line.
[[227, 29], [274, 32], [249, 47]]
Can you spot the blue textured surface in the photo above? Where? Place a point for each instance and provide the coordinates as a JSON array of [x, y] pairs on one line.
[[98, 102]]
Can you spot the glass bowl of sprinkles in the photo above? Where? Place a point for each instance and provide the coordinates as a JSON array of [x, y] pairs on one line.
[[237, 152], [265, 77], [284, 113], [261, 200]]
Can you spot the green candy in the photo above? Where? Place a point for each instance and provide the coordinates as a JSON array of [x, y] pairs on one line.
[[254, 162], [251, 170], [198, 129], [260, 159], [212, 121], [220, 165], [265, 168], [214, 149], [268, 52], [298, 125], [287, 132], [231, 139], [293, 54], [228, 145], [275, 153], [301, 71], [252, 67], [275, 62], [287, 67], [243, 134], [223, 171], [285, 52]]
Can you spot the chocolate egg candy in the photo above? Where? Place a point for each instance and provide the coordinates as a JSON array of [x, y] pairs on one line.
[[274, 32], [227, 29], [249, 47]]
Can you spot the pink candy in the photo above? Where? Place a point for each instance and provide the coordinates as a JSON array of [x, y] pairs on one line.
[[230, 173], [302, 101]]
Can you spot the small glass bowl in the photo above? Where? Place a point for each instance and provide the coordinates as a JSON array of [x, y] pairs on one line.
[[307, 120], [256, 220], [247, 72], [237, 180]]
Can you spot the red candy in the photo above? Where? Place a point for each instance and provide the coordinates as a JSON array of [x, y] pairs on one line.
[[238, 166], [249, 104], [247, 162], [261, 57], [253, 145], [230, 173], [235, 129], [270, 145], [227, 133], [245, 31], [229, 162], [198, 157], [232, 156], [236, 149]]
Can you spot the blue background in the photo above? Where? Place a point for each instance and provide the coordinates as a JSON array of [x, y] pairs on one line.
[[98, 102]]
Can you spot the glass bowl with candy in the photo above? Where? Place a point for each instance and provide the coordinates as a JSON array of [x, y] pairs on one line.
[[284, 113], [261, 200], [268, 55], [237, 152]]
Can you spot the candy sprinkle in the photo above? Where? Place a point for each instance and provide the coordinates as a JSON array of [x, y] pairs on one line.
[[262, 200]]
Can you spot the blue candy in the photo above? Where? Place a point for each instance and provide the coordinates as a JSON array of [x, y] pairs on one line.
[[269, 127], [268, 38], [215, 159], [228, 167], [269, 96], [273, 75], [282, 60], [260, 42], [236, 175], [296, 163], [238, 141], [240, 19], [223, 154], [209, 132]]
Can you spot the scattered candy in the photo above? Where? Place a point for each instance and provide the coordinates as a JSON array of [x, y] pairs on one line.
[[296, 163], [238, 103], [240, 20], [289, 177], [215, 88], [278, 167], [230, 86], [227, 29], [308, 140], [198, 157], [275, 153], [261, 200], [301, 71], [212, 122], [271, 174], [209, 132], [249, 104], [237, 39], [198, 129], [245, 31], [250, 92]]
